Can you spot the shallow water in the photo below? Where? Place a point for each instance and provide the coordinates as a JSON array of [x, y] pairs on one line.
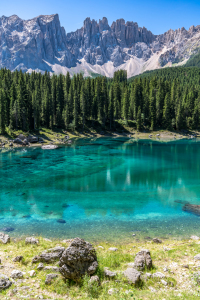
[[103, 189]]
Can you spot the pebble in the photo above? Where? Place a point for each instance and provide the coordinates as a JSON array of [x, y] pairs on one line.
[[112, 249]]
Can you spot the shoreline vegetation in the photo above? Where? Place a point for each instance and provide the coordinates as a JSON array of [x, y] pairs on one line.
[[174, 273], [62, 137]]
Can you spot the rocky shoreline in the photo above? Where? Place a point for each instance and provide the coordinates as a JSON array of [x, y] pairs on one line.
[[52, 139], [40, 268]]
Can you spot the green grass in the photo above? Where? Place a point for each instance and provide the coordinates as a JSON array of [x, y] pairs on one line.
[[115, 261]]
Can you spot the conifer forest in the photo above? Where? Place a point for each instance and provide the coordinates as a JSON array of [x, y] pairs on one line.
[[161, 99]]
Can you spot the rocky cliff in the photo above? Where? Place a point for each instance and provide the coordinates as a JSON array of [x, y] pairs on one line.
[[42, 44]]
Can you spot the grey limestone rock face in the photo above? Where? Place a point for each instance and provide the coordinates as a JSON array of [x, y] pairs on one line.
[[142, 259], [41, 44], [4, 238], [78, 259], [5, 283]]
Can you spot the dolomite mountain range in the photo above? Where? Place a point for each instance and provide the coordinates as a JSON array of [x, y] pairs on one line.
[[41, 44]]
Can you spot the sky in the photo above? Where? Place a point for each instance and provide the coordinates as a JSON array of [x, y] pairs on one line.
[[156, 15]]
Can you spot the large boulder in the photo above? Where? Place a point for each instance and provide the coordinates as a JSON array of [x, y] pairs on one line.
[[32, 139], [18, 141], [78, 259], [142, 259], [5, 283], [4, 238], [132, 275], [50, 255]]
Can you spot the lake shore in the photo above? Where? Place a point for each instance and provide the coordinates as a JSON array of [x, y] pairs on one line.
[[174, 274], [58, 137]]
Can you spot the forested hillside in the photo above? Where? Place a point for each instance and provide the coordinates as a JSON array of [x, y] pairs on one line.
[[167, 98]]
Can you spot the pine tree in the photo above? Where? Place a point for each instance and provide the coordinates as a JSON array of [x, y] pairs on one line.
[[139, 119], [2, 111], [83, 105]]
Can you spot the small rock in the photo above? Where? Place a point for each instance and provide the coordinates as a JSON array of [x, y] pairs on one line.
[[194, 237], [131, 264], [67, 241], [158, 275], [49, 278], [56, 269], [133, 234], [4, 238], [165, 269], [5, 283], [100, 247], [47, 240], [49, 147], [16, 274], [132, 275], [197, 257], [163, 282], [18, 258], [40, 266], [31, 240], [113, 291], [148, 275], [109, 273], [186, 266], [142, 259], [32, 273], [94, 279], [166, 249], [157, 241], [112, 249]]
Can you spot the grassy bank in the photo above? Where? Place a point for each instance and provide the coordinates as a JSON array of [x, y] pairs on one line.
[[176, 256]]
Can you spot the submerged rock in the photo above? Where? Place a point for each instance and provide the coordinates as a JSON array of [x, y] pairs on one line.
[[78, 259], [8, 229], [4, 238], [61, 221], [191, 208]]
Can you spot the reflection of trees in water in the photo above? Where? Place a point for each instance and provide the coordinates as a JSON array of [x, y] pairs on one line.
[[122, 172]]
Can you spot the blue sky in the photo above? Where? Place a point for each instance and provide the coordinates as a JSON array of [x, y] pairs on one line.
[[157, 16]]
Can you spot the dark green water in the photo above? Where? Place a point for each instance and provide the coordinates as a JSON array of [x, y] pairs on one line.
[[104, 189]]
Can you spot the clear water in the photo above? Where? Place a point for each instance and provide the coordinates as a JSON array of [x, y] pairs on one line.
[[104, 189]]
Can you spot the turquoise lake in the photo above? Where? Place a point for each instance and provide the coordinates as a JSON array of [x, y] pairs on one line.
[[101, 189]]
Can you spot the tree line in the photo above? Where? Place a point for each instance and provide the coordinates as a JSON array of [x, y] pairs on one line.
[[167, 99]]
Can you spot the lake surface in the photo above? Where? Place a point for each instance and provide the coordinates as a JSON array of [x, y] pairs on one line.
[[103, 189]]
